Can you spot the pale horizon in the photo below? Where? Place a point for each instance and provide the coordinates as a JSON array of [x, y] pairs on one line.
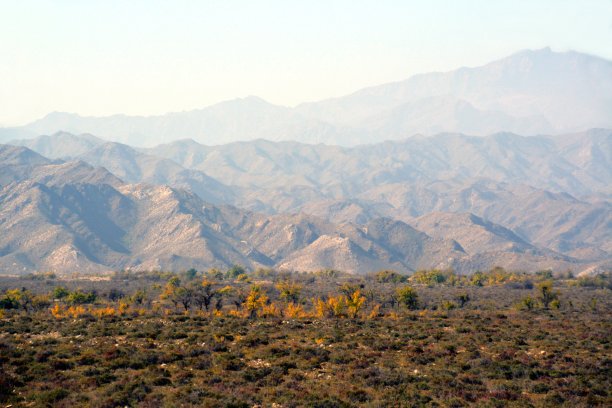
[[151, 58]]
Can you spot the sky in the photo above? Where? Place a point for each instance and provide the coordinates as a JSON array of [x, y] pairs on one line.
[[147, 57]]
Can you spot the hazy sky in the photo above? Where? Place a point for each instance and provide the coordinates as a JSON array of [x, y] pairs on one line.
[[150, 57]]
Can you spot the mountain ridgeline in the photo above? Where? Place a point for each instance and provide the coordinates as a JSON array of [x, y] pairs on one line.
[[529, 93], [447, 201]]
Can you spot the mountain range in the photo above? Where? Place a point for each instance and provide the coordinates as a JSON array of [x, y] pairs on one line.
[[507, 164], [450, 200], [74, 224], [531, 92]]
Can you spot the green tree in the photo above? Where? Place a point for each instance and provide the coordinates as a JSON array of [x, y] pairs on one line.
[[214, 274], [386, 276], [139, 297], [114, 294], [289, 291], [408, 297], [432, 277], [190, 274], [547, 294], [79, 297], [10, 299], [527, 303], [463, 299], [40, 302], [60, 292], [478, 279], [170, 290], [545, 274], [22, 297], [184, 296], [204, 294], [237, 295], [235, 271]]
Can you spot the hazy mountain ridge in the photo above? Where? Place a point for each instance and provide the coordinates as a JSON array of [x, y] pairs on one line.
[[576, 163], [402, 180], [96, 224], [93, 228], [538, 216], [60, 145], [241, 118], [528, 83], [135, 167], [19, 164], [530, 92]]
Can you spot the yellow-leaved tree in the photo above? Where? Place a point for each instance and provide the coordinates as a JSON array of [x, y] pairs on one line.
[[294, 311], [354, 303], [255, 301]]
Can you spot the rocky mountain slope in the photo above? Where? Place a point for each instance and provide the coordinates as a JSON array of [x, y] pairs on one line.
[[135, 167], [92, 224], [19, 164], [552, 191], [96, 228]]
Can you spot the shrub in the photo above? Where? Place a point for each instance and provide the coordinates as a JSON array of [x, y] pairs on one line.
[[386, 276], [79, 298], [527, 303], [547, 294], [432, 277], [447, 305], [50, 398], [463, 299]]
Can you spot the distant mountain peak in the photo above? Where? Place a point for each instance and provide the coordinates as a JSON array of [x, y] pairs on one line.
[[530, 92]]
